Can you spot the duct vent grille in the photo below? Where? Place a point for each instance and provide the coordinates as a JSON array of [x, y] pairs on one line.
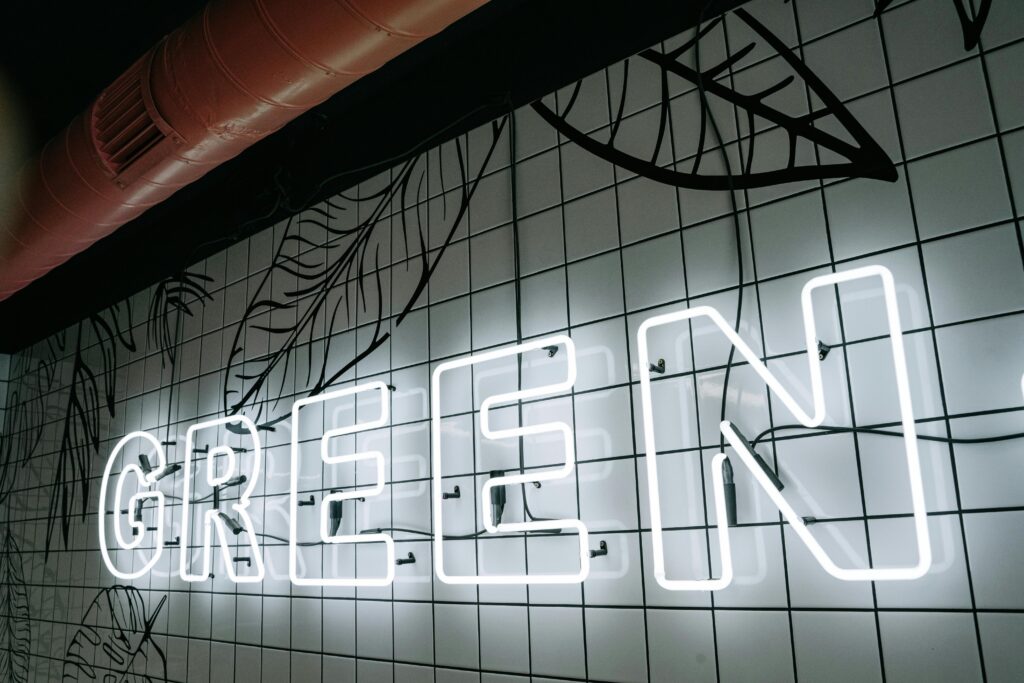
[[124, 129]]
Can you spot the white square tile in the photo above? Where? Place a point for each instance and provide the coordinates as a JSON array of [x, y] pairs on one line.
[[616, 645], [456, 632], [974, 275], [595, 288], [541, 243], [591, 224], [556, 641], [646, 208], [996, 551], [789, 235], [810, 585], [754, 646], [1001, 635], [959, 93], [449, 328], [653, 272], [929, 646], [989, 474], [414, 641], [959, 189], [504, 643], [974, 359], [681, 643], [544, 302], [711, 256], [893, 543], [836, 645]]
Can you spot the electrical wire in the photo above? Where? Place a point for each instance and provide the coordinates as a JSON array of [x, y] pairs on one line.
[[519, 305], [285, 540], [705, 108], [828, 429], [419, 532]]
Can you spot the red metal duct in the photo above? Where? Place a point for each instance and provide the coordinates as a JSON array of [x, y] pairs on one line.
[[232, 75]]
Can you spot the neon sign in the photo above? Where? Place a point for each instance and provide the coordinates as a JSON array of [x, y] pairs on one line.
[[329, 512]]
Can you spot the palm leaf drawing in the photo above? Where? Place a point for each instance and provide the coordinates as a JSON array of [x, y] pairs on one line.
[[971, 27], [15, 626], [115, 640], [89, 396], [174, 297], [863, 158], [21, 433], [326, 273]]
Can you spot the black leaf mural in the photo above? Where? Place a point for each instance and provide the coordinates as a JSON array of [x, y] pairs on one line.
[[970, 26], [89, 396], [31, 380], [115, 640], [863, 158], [15, 628], [172, 298], [322, 275]]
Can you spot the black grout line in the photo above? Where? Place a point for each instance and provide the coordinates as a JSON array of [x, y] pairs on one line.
[[40, 491]]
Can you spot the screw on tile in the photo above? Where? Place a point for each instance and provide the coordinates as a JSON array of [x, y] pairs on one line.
[[823, 350], [659, 368], [601, 552], [453, 494], [311, 501], [552, 350], [411, 559]]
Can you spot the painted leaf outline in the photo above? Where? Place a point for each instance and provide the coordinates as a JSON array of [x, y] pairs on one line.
[[970, 27], [173, 298], [115, 640], [89, 395], [15, 619], [865, 158], [338, 264], [23, 420]]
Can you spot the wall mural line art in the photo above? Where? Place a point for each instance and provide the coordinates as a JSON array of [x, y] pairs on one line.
[[15, 622], [322, 306], [970, 26], [25, 415], [114, 640], [320, 275], [89, 396], [864, 158], [172, 298]]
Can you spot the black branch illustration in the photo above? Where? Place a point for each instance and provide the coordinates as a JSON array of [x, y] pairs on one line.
[[32, 380], [15, 626], [115, 640], [89, 397], [323, 276], [173, 298], [863, 158], [971, 27]]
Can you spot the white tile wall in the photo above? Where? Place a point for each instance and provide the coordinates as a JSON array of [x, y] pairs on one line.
[[599, 250]]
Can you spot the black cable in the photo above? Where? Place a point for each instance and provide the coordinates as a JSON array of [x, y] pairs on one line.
[[519, 306], [705, 108], [285, 540], [419, 532], [826, 429]]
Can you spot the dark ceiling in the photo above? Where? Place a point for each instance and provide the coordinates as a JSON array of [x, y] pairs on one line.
[[507, 54], [58, 56]]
